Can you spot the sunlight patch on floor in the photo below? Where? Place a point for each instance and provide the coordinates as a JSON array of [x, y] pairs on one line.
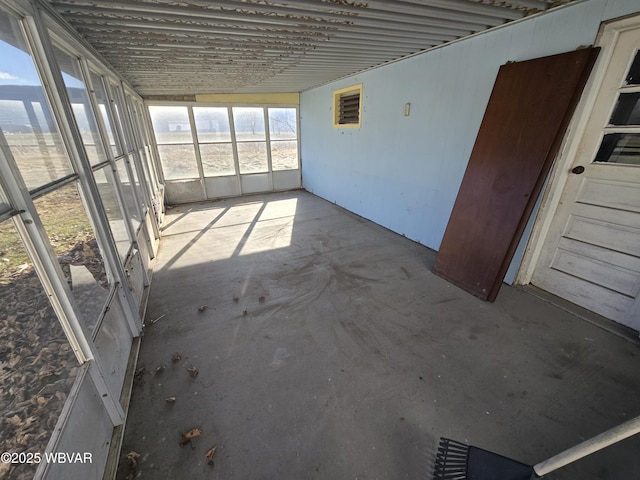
[[273, 229]]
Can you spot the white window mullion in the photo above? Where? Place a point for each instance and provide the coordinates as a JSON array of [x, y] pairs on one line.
[[267, 137], [196, 149], [234, 146]]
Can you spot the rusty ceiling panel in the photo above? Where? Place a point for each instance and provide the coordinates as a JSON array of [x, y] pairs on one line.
[[172, 47]]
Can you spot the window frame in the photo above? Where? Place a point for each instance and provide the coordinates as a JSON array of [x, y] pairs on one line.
[[338, 96], [234, 141]]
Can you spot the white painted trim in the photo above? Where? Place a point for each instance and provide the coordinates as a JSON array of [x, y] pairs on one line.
[[267, 137], [607, 39]]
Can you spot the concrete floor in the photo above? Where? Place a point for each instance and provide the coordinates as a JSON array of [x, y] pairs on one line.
[[329, 350]]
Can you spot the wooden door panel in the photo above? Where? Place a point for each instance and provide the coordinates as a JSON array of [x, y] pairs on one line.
[[582, 261], [595, 231], [593, 297], [610, 194], [525, 120]]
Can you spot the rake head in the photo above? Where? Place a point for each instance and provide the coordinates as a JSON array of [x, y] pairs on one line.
[[457, 461]]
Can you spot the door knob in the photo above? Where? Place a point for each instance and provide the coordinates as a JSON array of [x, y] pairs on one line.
[[577, 170]]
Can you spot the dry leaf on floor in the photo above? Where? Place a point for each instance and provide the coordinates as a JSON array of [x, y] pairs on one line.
[[170, 400], [193, 371], [186, 437], [202, 308], [160, 369], [235, 299], [15, 420], [209, 455], [139, 373], [132, 458], [261, 298], [176, 357], [244, 312]]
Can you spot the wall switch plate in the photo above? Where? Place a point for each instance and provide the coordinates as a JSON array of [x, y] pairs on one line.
[[407, 107]]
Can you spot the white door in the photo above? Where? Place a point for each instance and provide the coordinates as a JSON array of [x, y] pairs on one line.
[[592, 253]]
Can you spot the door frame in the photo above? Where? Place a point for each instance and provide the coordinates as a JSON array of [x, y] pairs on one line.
[[607, 39]]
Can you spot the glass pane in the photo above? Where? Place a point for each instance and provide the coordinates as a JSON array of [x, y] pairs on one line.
[[252, 157], [138, 123], [77, 92], [212, 124], [128, 192], [620, 148], [148, 135], [145, 169], [249, 123], [217, 159], [178, 161], [171, 125], [633, 77], [149, 168], [100, 92], [37, 365], [135, 121], [282, 124], [284, 155], [4, 202], [106, 187], [74, 242], [141, 123], [145, 152], [25, 116], [120, 117], [627, 111], [138, 177]]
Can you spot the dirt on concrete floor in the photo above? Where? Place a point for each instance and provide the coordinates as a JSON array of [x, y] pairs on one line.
[[328, 349]]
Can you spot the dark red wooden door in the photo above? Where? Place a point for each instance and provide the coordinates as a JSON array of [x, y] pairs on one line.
[[527, 115]]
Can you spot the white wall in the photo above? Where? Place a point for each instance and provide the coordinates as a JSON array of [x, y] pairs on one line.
[[404, 172]]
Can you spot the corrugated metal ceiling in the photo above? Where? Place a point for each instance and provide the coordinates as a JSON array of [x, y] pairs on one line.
[[171, 47]]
